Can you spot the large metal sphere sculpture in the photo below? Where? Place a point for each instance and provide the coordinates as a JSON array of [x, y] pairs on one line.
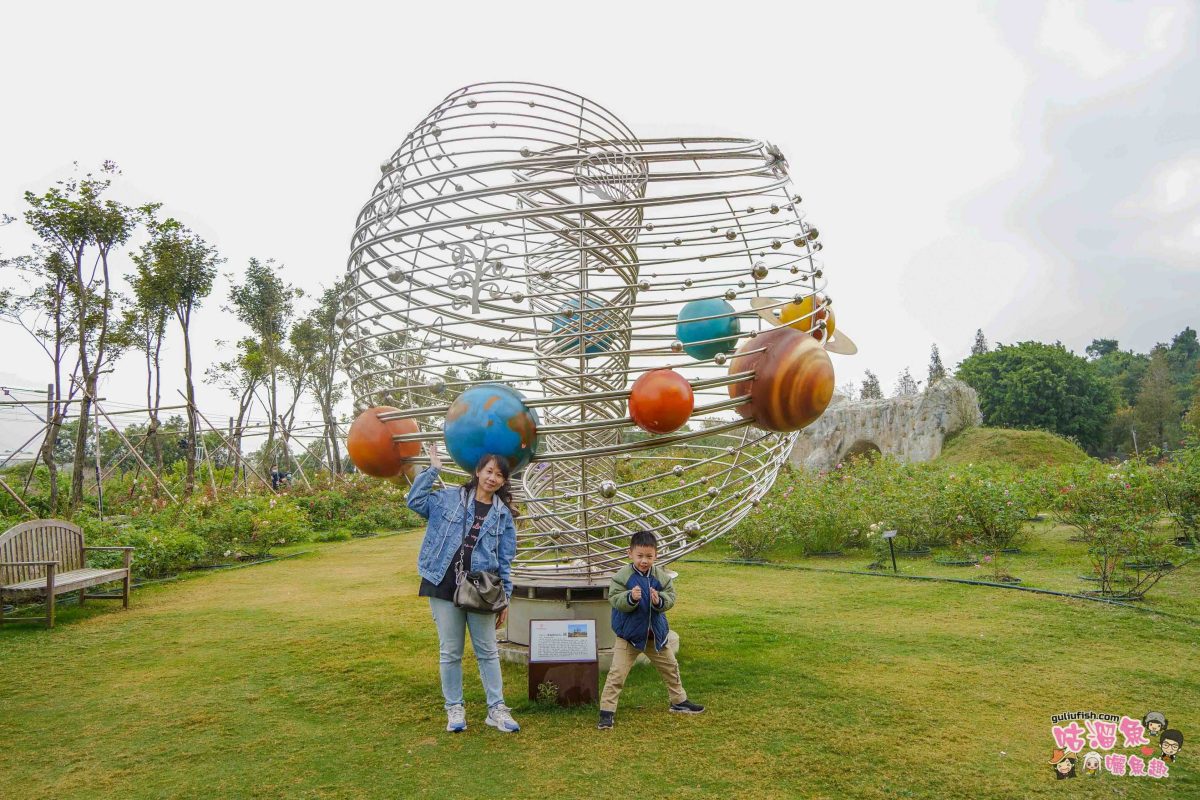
[[523, 235]]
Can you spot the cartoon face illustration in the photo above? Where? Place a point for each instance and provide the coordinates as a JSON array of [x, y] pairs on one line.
[[1172, 743], [1091, 763], [1064, 765], [1154, 722]]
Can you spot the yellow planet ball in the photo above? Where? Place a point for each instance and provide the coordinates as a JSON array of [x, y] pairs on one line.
[[801, 317]]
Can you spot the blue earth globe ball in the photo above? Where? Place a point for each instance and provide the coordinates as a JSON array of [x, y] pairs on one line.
[[491, 418], [597, 337], [723, 329]]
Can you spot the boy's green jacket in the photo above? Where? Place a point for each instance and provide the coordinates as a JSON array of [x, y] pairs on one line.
[[633, 621]]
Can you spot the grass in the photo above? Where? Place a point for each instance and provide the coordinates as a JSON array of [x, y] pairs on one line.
[[1048, 560], [316, 677], [1025, 449]]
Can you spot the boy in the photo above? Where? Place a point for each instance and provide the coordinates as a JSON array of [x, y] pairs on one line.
[[641, 594]]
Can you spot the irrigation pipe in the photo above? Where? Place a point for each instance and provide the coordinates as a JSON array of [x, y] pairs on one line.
[[745, 563]]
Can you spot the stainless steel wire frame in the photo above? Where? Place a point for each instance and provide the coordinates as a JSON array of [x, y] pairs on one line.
[[523, 234]]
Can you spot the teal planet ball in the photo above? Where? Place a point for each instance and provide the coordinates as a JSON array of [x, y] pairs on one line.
[[491, 418], [593, 334], [694, 330]]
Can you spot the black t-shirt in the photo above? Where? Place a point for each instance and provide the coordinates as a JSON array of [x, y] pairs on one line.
[[445, 589]]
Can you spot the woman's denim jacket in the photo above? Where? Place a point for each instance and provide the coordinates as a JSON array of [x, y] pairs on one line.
[[449, 520]]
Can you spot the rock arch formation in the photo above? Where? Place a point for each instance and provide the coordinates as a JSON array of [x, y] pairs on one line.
[[909, 428]]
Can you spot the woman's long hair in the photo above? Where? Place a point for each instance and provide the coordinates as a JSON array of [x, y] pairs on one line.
[[504, 492]]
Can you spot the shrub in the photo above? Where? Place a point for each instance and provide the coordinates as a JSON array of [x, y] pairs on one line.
[[252, 525], [158, 553], [991, 511], [1115, 510], [334, 535], [1181, 493], [755, 534]]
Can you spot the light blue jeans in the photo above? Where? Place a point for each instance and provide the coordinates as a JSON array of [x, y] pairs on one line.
[[451, 627]]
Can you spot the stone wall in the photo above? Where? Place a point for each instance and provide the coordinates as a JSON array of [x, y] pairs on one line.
[[910, 428]]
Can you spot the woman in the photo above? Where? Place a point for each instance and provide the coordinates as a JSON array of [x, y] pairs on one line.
[[468, 530]]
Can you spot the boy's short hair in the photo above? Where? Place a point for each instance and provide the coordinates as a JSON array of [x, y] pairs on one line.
[[643, 539]]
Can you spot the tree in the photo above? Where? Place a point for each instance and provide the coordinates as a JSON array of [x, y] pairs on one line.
[[1157, 410], [905, 384], [144, 327], [1183, 357], [74, 219], [241, 376], [981, 345], [1036, 385], [1123, 368], [1101, 347], [326, 389], [1192, 418], [264, 302], [870, 387], [936, 370], [42, 308], [177, 269]]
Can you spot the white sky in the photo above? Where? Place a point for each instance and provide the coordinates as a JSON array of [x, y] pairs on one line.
[[1031, 170]]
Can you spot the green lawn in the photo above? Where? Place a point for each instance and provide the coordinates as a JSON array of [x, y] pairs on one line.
[[317, 677]]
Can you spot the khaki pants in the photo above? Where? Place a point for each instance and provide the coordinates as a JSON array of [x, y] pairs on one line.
[[624, 656]]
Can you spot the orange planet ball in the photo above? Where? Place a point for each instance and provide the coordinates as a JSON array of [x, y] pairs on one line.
[[371, 447], [661, 401], [792, 382]]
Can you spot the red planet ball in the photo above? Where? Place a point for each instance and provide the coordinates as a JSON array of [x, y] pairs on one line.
[[370, 444], [661, 401]]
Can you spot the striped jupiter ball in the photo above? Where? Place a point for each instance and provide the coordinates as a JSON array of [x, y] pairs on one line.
[[792, 383]]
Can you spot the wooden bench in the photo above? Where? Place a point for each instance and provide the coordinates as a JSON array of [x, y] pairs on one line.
[[46, 558]]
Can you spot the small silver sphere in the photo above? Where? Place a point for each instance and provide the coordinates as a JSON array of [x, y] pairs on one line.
[[676, 346], [776, 244], [395, 275], [730, 294], [691, 527], [677, 471], [608, 489], [678, 240], [687, 282], [813, 233], [760, 271], [713, 491], [720, 358], [517, 297], [643, 286], [731, 234], [385, 166]]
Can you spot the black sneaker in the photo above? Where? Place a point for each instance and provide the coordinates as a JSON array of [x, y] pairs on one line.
[[606, 720], [686, 707]]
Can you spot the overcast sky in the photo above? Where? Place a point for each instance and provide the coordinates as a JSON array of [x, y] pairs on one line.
[[1030, 170]]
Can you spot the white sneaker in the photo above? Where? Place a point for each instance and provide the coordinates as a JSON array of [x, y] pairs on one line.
[[456, 719], [500, 717]]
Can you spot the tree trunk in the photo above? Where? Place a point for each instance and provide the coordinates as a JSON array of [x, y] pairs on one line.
[[331, 435], [85, 403], [191, 411]]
